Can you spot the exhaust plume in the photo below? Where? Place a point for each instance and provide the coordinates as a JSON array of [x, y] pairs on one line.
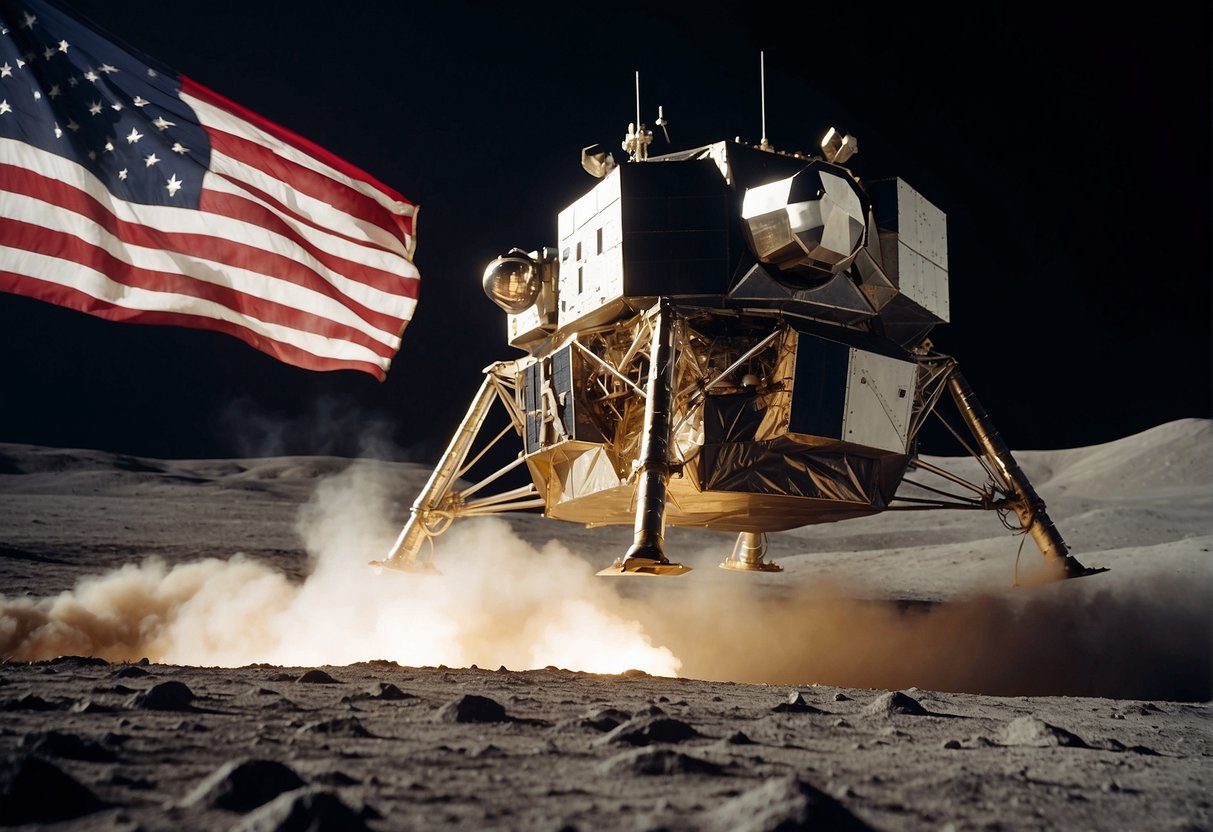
[[501, 602]]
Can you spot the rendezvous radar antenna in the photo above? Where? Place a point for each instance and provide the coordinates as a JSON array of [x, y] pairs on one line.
[[728, 337]]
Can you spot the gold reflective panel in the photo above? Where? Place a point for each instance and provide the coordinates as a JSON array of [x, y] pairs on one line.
[[741, 458], [512, 283]]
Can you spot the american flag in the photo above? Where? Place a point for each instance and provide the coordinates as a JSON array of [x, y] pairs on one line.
[[133, 193]]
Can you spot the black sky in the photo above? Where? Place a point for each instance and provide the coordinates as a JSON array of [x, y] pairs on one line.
[[1070, 150]]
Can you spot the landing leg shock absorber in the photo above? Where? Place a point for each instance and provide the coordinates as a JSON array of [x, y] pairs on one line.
[[1028, 505]]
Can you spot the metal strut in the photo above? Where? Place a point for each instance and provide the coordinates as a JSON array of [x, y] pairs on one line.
[[1028, 505], [646, 555], [426, 508]]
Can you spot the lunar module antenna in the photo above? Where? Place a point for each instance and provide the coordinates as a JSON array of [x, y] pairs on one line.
[[762, 94], [638, 139], [638, 97]]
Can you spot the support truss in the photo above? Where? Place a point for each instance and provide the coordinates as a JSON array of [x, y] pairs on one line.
[[441, 500]]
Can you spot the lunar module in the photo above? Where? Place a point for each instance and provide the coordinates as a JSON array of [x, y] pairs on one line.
[[731, 338]]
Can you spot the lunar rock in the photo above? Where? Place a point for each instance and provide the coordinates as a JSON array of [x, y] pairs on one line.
[[738, 738], [650, 730], [303, 811], [316, 677], [796, 704], [165, 696], [657, 762], [1030, 731], [33, 702], [388, 692], [605, 719], [784, 805], [895, 702], [67, 746], [472, 708], [35, 791], [381, 691], [243, 785], [346, 726]]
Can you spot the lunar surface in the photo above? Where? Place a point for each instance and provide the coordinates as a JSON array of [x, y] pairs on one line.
[[200, 644]]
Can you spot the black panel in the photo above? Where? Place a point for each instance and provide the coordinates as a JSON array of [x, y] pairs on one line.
[[677, 280], [641, 246], [676, 221], [675, 263], [850, 337], [731, 418], [532, 397], [674, 212], [562, 386], [661, 181], [820, 387]]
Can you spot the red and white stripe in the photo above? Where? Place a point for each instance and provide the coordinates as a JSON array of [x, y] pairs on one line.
[[292, 250]]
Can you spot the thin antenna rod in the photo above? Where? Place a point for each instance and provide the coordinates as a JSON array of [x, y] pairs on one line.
[[762, 82], [638, 99]]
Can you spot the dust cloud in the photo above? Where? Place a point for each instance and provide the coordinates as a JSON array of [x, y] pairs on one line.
[[502, 602], [1151, 640]]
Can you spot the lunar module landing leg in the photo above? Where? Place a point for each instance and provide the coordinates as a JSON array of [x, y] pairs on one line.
[[439, 503], [646, 555], [1025, 502]]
